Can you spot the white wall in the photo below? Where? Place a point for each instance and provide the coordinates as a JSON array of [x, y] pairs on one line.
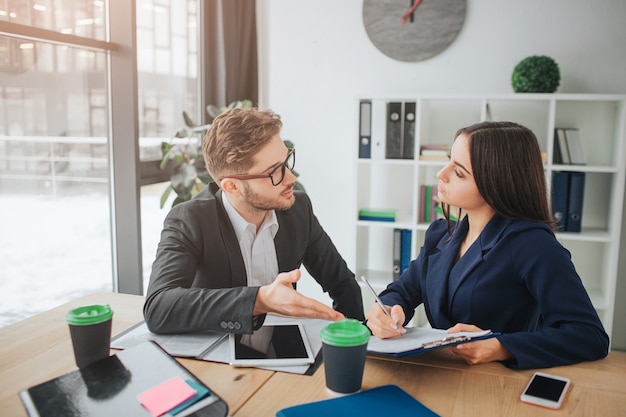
[[317, 61]]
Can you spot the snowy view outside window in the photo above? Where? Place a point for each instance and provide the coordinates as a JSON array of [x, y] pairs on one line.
[[35, 274]]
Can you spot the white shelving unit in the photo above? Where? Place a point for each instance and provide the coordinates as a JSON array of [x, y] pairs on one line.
[[395, 183]]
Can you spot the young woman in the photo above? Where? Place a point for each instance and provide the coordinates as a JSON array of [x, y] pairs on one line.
[[500, 266]]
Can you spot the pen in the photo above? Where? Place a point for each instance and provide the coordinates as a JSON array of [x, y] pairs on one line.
[[380, 303]]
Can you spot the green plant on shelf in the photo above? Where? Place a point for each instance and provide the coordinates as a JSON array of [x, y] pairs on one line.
[[536, 74]]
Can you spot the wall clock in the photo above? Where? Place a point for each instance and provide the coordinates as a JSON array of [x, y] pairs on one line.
[[413, 30]]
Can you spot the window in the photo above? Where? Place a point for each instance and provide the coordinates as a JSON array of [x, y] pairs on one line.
[[167, 59], [57, 180]]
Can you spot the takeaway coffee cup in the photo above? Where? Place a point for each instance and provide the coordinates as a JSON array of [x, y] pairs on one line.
[[90, 329], [344, 346]]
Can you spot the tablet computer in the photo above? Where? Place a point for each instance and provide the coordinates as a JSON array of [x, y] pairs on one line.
[[280, 344]]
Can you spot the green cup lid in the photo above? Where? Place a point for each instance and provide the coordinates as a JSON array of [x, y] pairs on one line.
[[86, 315], [347, 332]]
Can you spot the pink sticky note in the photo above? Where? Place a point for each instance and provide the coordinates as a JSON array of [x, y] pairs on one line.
[[165, 396]]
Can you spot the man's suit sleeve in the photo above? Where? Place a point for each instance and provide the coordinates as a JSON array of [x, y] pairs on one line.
[[193, 285]]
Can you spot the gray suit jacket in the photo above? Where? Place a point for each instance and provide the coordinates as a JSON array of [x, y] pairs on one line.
[[198, 279]]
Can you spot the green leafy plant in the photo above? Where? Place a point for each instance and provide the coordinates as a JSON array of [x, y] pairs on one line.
[[184, 152], [536, 74], [189, 175]]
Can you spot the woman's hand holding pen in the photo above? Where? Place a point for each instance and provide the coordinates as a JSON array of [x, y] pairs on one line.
[[385, 323], [385, 326]]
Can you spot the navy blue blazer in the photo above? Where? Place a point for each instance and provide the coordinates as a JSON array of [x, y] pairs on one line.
[[516, 279], [198, 279]]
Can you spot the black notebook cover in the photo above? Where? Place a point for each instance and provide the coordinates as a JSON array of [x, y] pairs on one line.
[[110, 387]]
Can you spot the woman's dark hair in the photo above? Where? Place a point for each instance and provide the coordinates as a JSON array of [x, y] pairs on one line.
[[508, 171]]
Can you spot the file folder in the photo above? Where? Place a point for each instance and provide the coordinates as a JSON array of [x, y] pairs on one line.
[[405, 249], [408, 131], [575, 147], [575, 202], [560, 197], [393, 149], [561, 150], [386, 400], [397, 253], [365, 129]]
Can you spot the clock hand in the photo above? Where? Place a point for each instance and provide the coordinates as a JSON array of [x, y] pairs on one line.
[[410, 12]]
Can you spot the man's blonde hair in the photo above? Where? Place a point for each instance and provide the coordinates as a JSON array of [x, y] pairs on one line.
[[234, 137]]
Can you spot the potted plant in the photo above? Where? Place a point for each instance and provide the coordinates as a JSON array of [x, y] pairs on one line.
[[189, 174], [536, 74]]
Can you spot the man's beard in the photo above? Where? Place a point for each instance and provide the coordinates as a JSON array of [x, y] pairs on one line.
[[260, 202]]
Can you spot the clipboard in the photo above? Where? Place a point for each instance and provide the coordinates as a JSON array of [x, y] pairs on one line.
[[418, 340]]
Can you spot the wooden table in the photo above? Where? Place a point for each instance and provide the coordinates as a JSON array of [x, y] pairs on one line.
[[449, 387], [37, 349]]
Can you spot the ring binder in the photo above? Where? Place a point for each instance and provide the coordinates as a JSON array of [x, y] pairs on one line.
[[365, 129]]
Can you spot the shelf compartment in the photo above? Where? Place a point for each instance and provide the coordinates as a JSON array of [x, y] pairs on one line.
[[388, 186], [598, 122]]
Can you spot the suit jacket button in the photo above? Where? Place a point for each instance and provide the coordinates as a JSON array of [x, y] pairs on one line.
[[223, 325], [237, 325], [231, 325]]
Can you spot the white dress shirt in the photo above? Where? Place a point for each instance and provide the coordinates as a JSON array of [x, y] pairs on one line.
[[257, 249]]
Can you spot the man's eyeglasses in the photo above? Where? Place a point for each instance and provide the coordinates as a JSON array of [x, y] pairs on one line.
[[276, 176]]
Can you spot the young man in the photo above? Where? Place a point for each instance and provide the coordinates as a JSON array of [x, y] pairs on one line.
[[233, 253]]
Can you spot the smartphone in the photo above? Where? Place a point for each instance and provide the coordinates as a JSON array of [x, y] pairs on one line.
[[546, 390]]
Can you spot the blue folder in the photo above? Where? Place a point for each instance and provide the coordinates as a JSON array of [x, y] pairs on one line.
[[560, 197], [575, 202], [386, 400]]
